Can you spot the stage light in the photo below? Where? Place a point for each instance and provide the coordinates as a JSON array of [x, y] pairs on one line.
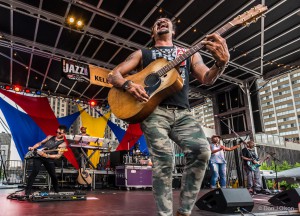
[[17, 88], [79, 23], [71, 20], [7, 87], [74, 22], [92, 103], [38, 92], [27, 91]]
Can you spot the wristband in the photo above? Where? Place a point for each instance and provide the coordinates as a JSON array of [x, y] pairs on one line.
[[127, 84]]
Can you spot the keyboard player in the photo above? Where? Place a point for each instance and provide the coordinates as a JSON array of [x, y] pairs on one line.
[[83, 133]]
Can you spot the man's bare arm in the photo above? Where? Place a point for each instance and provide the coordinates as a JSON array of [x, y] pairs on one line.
[[217, 46], [115, 77]]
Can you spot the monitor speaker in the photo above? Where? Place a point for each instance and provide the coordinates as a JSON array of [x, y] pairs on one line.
[[288, 198], [226, 200]]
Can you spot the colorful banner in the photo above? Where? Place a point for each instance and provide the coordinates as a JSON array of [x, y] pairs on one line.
[[98, 76], [35, 124], [95, 128]]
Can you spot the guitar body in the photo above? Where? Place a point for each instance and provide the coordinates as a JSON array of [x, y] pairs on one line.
[[84, 177], [253, 166], [31, 154], [124, 106]]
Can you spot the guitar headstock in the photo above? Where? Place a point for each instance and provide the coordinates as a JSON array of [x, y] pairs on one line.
[[249, 16]]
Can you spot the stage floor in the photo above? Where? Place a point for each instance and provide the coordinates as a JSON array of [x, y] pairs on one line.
[[135, 202]]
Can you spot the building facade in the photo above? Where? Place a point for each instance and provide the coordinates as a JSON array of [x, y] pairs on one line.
[[280, 105]]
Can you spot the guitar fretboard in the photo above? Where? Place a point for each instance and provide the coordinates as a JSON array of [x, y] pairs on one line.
[[190, 52]]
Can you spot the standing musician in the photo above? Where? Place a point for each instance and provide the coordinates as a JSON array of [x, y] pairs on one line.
[[172, 119], [253, 176], [50, 142], [218, 161]]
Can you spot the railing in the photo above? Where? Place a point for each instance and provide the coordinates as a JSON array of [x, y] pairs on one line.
[[269, 139], [14, 172]]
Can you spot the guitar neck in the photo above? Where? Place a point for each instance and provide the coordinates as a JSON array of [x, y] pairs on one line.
[[190, 52], [51, 150]]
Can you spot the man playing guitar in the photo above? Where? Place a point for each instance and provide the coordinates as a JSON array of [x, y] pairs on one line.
[[253, 175], [49, 143]]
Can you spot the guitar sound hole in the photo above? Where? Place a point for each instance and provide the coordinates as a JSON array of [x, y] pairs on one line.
[[152, 79]]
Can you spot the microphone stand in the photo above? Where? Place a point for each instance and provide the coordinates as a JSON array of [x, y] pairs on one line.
[[275, 166]]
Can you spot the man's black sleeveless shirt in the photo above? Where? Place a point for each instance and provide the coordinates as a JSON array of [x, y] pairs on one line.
[[52, 144], [170, 53]]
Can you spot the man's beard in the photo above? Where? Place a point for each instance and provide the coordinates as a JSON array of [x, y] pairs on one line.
[[163, 32]]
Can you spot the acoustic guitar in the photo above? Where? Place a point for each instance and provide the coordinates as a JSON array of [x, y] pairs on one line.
[[84, 176], [161, 78]]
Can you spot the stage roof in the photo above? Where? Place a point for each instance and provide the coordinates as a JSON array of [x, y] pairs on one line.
[[35, 37]]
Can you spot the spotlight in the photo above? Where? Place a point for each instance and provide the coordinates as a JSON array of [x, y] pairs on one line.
[[27, 91], [71, 20], [92, 103], [38, 92], [17, 88], [7, 87], [79, 23]]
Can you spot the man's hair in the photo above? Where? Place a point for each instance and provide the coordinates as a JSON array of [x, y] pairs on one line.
[[250, 142], [63, 127]]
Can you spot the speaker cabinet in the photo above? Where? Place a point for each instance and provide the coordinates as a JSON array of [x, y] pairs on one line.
[[288, 198], [42, 179], [226, 200], [116, 158]]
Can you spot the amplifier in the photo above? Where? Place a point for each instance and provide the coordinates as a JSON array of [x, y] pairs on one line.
[[42, 179]]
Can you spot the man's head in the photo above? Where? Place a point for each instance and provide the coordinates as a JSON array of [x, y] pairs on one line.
[[215, 138], [162, 26], [61, 131], [83, 129], [250, 144]]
